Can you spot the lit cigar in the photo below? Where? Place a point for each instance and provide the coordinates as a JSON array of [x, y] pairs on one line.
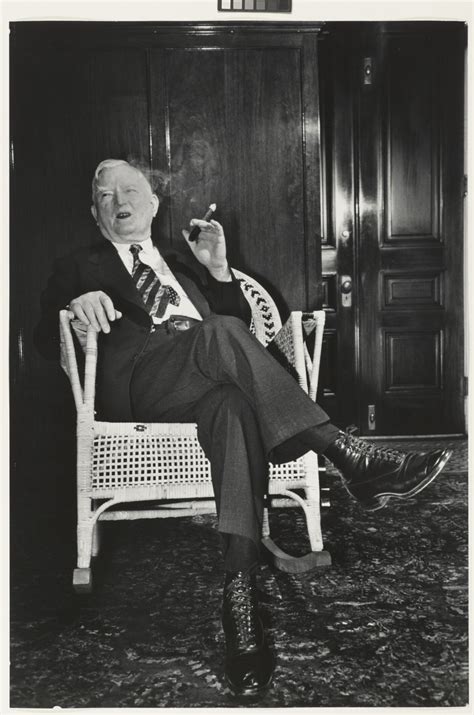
[[196, 230]]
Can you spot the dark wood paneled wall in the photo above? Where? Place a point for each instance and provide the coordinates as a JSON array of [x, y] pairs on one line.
[[231, 113], [69, 110]]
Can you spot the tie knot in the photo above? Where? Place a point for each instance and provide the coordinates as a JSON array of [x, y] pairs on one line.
[[135, 249]]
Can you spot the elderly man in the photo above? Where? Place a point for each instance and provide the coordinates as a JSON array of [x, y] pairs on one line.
[[175, 347]]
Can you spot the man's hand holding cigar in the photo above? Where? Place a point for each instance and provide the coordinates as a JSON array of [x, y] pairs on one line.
[[208, 245]]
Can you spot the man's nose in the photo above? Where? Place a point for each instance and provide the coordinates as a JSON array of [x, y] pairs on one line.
[[120, 197]]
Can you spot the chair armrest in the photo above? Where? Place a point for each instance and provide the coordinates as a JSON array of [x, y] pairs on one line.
[[290, 343], [314, 323], [83, 398]]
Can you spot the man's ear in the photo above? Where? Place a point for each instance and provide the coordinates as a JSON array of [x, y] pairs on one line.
[[156, 202], [94, 212]]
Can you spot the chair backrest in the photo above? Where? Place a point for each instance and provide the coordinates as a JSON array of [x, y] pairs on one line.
[[266, 321]]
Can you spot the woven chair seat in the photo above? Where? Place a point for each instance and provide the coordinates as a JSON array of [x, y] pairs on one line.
[[164, 456]]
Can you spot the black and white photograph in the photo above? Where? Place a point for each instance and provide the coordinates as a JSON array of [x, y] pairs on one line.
[[238, 355]]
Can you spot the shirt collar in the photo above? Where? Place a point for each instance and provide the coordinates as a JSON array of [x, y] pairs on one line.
[[124, 248]]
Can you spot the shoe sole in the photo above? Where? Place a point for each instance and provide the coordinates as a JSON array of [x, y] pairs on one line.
[[443, 460], [249, 693], [378, 503]]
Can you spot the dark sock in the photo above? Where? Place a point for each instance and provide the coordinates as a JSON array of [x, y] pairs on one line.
[[240, 553], [320, 438], [332, 453]]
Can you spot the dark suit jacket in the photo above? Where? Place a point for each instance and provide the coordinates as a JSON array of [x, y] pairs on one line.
[[99, 267]]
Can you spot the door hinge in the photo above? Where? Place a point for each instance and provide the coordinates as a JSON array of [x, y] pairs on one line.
[[367, 70], [371, 417], [464, 186]]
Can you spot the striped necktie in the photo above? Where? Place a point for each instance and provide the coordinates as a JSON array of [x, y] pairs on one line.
[[155, 295]]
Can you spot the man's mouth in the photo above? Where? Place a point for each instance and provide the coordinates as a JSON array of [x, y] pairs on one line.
[[124, 214]]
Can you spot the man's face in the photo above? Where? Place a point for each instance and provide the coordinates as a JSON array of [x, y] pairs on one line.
[[124, 205]]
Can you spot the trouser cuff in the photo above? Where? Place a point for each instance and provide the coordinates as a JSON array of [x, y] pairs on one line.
[[321, 437]]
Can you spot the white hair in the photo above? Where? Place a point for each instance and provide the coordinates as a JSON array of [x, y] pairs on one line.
[[111, 164]]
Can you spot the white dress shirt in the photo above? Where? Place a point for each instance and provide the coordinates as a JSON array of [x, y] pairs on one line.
[[150, 256]]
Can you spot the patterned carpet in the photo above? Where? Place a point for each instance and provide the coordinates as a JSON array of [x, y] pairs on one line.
[[385, 625]]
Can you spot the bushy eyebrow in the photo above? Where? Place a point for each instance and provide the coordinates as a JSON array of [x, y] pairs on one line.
[[101, 189]]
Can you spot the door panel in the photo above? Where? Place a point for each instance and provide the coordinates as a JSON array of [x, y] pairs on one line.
[[235, 137], [411, 141]]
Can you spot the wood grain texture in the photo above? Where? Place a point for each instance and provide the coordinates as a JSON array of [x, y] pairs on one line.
[[160, 159], [313, 183], [236, 140]]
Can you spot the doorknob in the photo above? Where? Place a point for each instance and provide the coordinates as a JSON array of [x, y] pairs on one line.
[[346, 290], [346, 285]]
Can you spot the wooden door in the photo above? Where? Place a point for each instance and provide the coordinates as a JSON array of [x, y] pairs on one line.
[[396, 131]]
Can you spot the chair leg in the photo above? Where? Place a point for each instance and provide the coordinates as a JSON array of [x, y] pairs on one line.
[[96, 539], [313, 518], [82, 580], [82, 577]]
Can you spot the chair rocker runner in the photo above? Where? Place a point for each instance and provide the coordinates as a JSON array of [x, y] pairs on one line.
[[129, 463]]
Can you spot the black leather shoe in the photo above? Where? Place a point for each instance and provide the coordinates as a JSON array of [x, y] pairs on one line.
[[249, 662], [373, 474]]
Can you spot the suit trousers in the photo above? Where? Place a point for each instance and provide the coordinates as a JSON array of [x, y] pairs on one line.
[[247, 407]]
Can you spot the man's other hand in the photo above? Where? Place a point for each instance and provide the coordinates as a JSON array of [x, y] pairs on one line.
[[95, 309]]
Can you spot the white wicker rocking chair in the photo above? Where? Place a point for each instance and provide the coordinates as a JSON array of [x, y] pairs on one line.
[[134, 462]]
